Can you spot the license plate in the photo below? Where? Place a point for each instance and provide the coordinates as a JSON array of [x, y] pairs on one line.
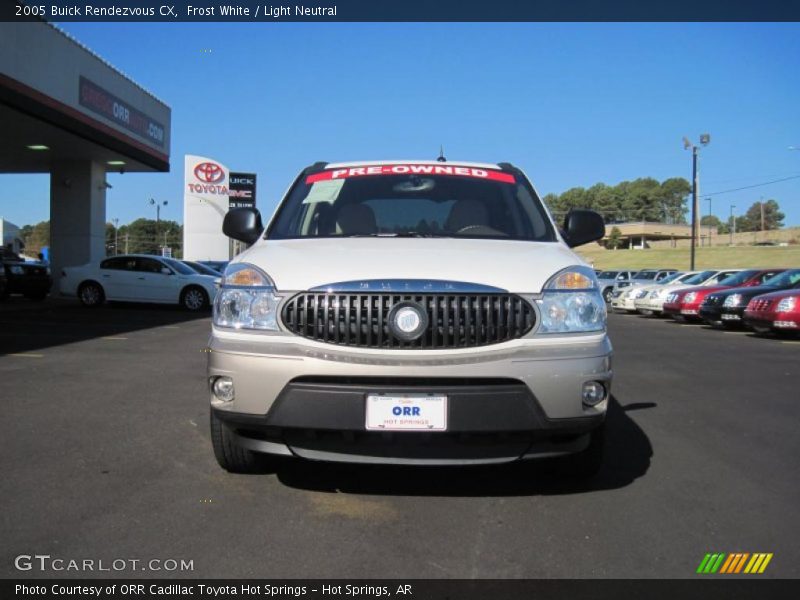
[[406, 412]]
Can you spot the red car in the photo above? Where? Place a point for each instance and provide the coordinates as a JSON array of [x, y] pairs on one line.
[[778, 311], [684, 304]]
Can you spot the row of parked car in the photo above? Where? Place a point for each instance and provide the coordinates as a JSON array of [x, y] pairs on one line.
[[127, 277], [764, 300]]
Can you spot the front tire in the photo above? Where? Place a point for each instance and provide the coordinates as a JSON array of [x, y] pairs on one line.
[[607, 295], [91, 294], [194, 298], [232, 457]]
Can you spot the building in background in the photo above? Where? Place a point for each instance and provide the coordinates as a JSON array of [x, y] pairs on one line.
[[10, 237]]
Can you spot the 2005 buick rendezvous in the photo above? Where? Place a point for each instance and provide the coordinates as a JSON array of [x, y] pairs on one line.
[[402, 312]]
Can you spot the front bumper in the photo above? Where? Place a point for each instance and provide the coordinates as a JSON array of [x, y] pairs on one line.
[[649, 304], [514, 400], [722, 314]]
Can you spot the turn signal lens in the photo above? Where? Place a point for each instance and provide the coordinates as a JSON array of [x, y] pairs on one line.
[[571, 280]]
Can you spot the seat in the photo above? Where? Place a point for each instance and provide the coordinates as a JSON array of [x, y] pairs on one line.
[[356, 219], [466, 213]]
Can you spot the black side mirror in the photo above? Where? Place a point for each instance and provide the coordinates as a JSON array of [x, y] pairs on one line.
[[243, 224], [582, 227]]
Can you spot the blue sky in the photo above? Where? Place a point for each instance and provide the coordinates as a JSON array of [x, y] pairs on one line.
[[572, 104]]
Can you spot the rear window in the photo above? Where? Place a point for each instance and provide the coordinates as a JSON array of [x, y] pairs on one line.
[[412, 201], [645, 275]]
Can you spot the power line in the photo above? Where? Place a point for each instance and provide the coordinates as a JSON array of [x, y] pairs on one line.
[[749, 187]]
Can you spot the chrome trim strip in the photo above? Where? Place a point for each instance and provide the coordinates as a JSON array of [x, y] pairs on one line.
[[436, 286]]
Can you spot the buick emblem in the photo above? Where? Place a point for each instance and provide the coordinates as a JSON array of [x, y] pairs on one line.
[[408, 321], [209, 172]]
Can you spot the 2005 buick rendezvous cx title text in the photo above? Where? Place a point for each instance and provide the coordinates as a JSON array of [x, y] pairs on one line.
[[425, 312]]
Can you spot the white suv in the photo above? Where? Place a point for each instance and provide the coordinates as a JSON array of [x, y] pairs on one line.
[[409, 313]]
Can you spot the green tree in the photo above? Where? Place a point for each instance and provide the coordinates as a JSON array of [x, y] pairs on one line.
[[710, 221], [35, 237], [614, 240], [772, 217]]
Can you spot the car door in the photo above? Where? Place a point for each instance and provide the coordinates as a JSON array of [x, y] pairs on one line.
[[117, 276], [152, 284]]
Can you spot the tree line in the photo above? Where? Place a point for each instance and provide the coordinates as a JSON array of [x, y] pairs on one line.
[[142, 236]]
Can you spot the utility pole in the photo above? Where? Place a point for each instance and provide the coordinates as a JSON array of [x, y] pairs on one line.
[[710, 226], [761, 205], [116, 236], [126, 242], [704, 140], [733, 223], [158, 206]]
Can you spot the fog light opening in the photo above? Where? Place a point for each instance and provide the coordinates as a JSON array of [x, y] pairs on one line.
[[223, 389], [594, 393]]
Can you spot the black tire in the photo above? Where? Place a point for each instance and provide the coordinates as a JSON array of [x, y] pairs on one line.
[[587, 463], [232, 457], [607, 295], [91, 294], [194, 298]]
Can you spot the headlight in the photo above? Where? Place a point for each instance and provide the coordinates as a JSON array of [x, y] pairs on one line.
[[16, 270], [641, 294], [690, 297], [246, 300], [733, 300], [671, 298], [571, 303], [786, 304]]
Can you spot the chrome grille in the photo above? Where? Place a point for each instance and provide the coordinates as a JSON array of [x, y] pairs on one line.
[[454, 320]]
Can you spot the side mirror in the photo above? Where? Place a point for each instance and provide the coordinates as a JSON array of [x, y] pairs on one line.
[[582, 227], [243, 224], [166, 271]]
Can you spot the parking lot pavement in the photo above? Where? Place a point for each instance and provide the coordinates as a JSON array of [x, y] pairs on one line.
[[106, 454]]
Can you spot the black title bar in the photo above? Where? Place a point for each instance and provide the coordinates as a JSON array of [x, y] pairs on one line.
[[401, 10]]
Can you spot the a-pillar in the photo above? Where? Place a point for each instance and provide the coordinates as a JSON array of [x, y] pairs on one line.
[[77, 215]]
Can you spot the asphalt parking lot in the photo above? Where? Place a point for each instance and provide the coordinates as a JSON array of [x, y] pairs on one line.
[[105, 454]]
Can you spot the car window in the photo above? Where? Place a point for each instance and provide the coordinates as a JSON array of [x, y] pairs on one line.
[[786, 278], [738, 278], [148, 265], [179, 266], [607, 274], [768, 275], [119, 263], [426, 200]]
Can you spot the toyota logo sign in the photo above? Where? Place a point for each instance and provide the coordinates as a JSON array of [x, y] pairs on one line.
[[209, 172]]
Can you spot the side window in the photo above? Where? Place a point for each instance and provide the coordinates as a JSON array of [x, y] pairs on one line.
[[148, 265], [119, 263]]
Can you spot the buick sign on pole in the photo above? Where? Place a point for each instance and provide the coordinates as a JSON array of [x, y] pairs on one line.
[[242, 190]]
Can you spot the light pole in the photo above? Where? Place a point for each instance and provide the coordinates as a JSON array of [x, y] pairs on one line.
[[710, 226], [704, 141], [733, 223], [158, 206]]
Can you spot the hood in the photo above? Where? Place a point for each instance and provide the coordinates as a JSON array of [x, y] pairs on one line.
[[521, 267], [749, 291]]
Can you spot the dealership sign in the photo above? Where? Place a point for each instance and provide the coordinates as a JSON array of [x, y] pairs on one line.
[[205, 204], [102, 102], [242, 190]]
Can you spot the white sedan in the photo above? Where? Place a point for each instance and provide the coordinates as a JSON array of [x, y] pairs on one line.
[[653, 301], [139, 278]]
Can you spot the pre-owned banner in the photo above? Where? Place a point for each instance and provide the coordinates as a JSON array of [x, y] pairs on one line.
[[205, 203]]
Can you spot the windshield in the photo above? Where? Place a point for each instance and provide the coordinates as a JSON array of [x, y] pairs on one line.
[[412, 201], [698, 277], [785, 279], [738, 278], [607, 274], [179, 266], [645, 275], [671, 278], [202, 269]]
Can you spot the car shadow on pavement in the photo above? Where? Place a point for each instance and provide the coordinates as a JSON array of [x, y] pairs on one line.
[[26, 326], [627, 457]]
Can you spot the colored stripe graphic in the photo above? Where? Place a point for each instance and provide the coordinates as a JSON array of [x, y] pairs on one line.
[[722, 563]]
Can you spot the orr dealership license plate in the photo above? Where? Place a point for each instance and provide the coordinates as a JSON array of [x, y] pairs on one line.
[[406, 412]]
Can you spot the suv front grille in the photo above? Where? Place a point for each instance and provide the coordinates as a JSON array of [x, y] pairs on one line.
[[454, 320]]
